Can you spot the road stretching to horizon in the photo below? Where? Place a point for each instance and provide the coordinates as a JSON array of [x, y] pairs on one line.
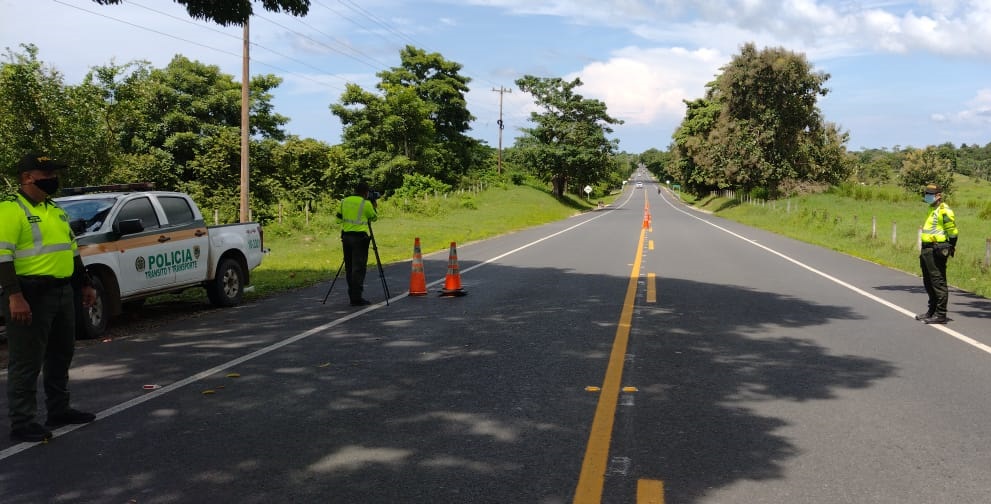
[[594, 360]]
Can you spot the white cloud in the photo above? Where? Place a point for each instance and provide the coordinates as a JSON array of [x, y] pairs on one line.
[[641, 86], [935, 26], [978, 113]]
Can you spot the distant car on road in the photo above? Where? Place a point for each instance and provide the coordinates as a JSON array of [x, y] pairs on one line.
[[639, 185]]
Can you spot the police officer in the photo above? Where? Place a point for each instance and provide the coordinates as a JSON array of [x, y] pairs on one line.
[[356, 213], [39, 269], [939, 241]]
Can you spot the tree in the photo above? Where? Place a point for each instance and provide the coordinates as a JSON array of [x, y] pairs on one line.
[[437, 82], [39, 112], [926, 166], [387, 136], [232, 12], [172, 125], [568, 141], [759, 125]]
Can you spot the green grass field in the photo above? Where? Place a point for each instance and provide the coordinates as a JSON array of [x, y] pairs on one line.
[[879, 224]]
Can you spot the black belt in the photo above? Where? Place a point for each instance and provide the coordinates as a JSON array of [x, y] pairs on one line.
[[936, 245], [43, 281]]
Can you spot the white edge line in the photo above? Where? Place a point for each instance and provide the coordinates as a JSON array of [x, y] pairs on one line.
[[939, 327], [113, 410]]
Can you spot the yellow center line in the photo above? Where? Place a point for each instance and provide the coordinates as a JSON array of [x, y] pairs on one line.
[[650, 492], [593, 474], [651, 288]]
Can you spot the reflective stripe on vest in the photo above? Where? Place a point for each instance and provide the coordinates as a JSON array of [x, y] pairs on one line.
[[36, 239], [933, 231], [38, 247], [361, 213]]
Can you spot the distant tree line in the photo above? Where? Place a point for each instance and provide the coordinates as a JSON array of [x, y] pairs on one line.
[[179, 127]]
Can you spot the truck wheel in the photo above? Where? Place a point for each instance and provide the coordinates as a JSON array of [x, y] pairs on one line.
[[227, 287], [92, 322]]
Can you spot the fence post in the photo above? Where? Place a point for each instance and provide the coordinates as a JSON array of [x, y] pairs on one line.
[[280, 212], [216, 216], [894, 233], [987, 252], [307, 213], [873, 227]]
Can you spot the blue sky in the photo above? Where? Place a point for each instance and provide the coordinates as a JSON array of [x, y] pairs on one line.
[[902, 73]]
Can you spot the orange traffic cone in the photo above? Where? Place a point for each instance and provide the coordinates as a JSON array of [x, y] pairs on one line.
[[417, 281], [452, 284]]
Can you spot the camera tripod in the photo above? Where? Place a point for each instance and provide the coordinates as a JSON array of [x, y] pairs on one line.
[[378, 262]]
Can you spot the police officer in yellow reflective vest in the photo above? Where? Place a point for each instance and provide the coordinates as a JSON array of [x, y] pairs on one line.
[[39, 269], [356, 213], [939, 241]]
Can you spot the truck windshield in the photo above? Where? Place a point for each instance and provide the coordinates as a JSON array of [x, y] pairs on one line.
[[91, 212]]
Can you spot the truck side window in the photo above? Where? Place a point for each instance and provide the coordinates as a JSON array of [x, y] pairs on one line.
[[140, 208], [177, 210]]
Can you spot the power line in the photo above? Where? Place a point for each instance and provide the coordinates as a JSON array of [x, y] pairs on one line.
[[223, 51], [317, 42], [147, 29]]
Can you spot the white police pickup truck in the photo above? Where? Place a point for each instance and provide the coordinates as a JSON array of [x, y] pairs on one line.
[[137, 242]]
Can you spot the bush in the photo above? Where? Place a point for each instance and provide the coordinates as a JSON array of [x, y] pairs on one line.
[[985, 213], [417, 186]]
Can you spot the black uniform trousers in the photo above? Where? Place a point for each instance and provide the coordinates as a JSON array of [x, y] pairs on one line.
[[355, 262], [933, 263], [45, 345]]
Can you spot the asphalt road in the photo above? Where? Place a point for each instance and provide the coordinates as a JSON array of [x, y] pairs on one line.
[[593, 360]]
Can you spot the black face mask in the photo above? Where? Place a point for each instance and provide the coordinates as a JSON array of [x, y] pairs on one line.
[[49, 185]]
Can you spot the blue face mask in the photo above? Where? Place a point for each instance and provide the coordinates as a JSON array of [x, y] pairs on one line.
[[930, 198]]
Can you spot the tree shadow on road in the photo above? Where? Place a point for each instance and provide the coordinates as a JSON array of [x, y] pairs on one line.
[[711, 351], [474, 399]]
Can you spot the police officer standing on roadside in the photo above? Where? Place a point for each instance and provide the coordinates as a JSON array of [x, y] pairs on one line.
[[40, 267], [356, 213], [939, 241]]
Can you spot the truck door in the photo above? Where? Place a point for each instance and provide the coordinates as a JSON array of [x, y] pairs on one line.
[[189, 247], [143, 254]]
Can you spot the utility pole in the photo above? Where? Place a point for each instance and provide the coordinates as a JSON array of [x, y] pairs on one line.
[[244, 126], [501, 91]]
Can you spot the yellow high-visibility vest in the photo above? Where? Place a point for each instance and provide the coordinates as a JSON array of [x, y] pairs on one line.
[[36, 238], [356, 213], [940, 225]]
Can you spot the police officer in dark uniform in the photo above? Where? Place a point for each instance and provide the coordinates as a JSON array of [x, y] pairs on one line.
[[40, 267], [939, 242]]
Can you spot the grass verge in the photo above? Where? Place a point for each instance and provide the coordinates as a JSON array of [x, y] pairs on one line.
[[870, 224]]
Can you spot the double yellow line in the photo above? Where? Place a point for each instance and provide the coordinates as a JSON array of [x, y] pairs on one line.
[[593, 474]]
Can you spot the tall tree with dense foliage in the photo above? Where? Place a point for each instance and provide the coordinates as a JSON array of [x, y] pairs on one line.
[[926, 166], [439, 84], [387, 136], [39, 112], [767, 127], [568, 141], [232, 12]]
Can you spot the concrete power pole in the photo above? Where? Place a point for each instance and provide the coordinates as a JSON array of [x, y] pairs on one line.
[[501, 91], [244, 126]]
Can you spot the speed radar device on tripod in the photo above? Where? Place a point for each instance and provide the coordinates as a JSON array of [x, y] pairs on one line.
[[378, 262]]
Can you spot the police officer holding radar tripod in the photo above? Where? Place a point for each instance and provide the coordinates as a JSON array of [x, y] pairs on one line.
[[356, 215]]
